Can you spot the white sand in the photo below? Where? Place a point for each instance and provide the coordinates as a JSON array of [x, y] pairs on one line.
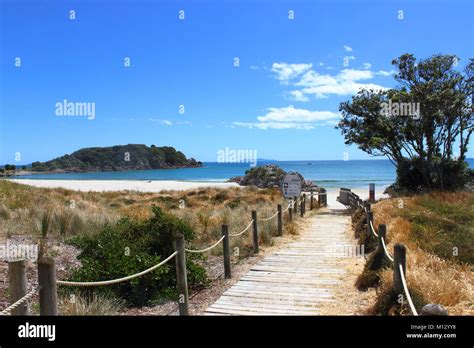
[[120, 185], [160, 185]]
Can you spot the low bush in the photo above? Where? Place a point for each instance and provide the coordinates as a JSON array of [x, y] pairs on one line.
[[132, 246]]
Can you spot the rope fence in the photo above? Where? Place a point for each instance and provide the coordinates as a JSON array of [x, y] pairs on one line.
[[47, 282], [119, 280], [19, 302], [372, 228], [407, 293], [385, 249], [399, 257], [268, 218], [243, 231], [206, 249]]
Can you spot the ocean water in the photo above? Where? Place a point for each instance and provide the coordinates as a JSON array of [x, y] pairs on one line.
[[328, 174]]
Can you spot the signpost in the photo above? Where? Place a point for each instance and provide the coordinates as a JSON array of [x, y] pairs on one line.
[[291, 185]]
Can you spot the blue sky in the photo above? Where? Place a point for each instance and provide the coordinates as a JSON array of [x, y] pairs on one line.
[[282, 100]]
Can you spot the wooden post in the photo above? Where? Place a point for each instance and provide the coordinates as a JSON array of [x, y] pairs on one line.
[[280, 220], [382, 231], [295, 206], [372, 192], [399, 258], [48, 292], [290, 213], [255, 231], [17, 279], [226, 251], [302, 205], [370, 217], [319, 199], [181, 277], [311, 201]]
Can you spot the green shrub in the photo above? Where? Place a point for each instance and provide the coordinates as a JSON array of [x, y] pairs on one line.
[[132, 246]]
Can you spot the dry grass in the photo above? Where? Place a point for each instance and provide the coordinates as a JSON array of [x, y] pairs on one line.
[[440, 278], [95, 304], [23, 208]]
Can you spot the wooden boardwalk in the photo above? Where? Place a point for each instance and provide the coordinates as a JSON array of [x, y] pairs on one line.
[[297, 279]]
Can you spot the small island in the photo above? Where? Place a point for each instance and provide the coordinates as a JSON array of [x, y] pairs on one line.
[[116, 158]]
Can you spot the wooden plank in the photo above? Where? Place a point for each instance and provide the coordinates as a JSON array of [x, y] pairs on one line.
[[269, 292], [269, 310], [296, 270], [281, 297], [261, 303], [230, 311], [295, 274], [274, 280], [280, 287]]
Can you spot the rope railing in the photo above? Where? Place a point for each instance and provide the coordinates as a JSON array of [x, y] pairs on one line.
[[385, 249], [19, 302], [119, 280], [268, 218], [373, 229], [407, 293], [288, 207], [206, 249], [243, 231], [399, 256]]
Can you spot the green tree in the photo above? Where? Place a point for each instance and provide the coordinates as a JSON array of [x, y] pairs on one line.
[[428, 146]]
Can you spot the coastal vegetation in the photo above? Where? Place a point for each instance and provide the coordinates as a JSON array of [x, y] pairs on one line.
[[437, 229], [134, 231], [117, 158], [427, 143]]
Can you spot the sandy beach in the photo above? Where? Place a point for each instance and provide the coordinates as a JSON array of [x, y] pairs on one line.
[[121, 185], [159, 185]]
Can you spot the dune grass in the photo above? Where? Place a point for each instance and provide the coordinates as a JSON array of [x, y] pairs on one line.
[[27, 210], [438, 230]]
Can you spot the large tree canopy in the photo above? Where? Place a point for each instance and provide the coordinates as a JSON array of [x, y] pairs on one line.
[[423, 125]]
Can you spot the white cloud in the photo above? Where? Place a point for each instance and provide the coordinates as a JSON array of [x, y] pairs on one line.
[[323, 85], [291, 118], [274, 125], [347, 48], [292, 114], [254, 67], [298, 96], [349, 57], [162, 122], [385, 73], [285, 72], [367, 65]]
